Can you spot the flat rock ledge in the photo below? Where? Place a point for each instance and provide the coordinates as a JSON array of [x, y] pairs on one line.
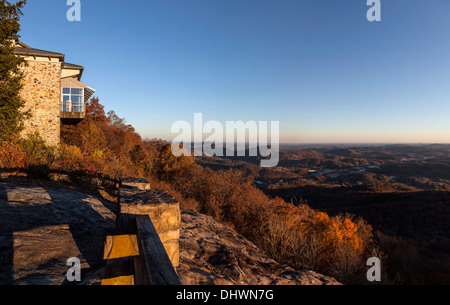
[[42, 227], [213, 254]]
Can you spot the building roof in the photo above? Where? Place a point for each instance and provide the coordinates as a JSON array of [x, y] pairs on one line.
[[67, 65], [24, 49], [20, 43]]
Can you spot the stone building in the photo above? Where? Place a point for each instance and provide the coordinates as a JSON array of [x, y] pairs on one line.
[[53, 92]]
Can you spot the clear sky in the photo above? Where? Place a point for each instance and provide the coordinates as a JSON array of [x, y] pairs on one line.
[[319, 67]]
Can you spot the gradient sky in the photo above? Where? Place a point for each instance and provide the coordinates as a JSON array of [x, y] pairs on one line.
[[317, 66]]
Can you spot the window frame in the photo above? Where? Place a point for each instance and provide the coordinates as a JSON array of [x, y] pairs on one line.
[[69, 105]]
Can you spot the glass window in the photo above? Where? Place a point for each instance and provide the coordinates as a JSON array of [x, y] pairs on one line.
[[73, 99], [77, 91], [76, 99]]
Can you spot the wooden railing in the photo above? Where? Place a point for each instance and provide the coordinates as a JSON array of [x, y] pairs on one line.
[[140, 256], [152, 266]]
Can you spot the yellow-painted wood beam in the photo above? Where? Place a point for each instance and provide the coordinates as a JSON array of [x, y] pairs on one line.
[[119, 280], [120, 246]]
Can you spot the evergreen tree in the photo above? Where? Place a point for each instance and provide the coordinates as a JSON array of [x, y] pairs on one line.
[[11, 73]]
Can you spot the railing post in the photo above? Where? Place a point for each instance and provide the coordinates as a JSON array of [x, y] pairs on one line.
[[136, 198], [152, 266]]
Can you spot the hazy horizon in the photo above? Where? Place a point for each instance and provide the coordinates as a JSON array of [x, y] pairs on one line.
[[332, 143]]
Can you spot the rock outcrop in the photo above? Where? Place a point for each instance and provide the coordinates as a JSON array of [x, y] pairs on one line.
[[213, 254], [42, 227]]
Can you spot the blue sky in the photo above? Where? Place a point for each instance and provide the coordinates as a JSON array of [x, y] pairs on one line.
[[316, 66]]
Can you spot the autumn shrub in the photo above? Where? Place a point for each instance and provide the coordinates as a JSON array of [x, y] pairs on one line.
[[284, 235], [71, 159], [228, 196], [308, 239], [122, 166], [12, 154], [279, 231], [38, 152], [28, 153], [142, 160], [350, 241], [185, 203], [169, 165]]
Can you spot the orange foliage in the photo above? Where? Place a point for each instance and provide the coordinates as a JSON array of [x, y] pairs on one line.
[[12, 155], [108, 145]]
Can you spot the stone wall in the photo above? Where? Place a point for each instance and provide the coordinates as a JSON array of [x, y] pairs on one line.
[[42, 93], [136, 198]]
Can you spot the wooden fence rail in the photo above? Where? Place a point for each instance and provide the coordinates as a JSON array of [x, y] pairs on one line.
[[152, 266], [151, 221]]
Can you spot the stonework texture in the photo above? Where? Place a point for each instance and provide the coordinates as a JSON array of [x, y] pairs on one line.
[[42, 93], [132, 182], [164, 211]]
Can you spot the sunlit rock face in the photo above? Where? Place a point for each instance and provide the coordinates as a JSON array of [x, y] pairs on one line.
[[213, 254]]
